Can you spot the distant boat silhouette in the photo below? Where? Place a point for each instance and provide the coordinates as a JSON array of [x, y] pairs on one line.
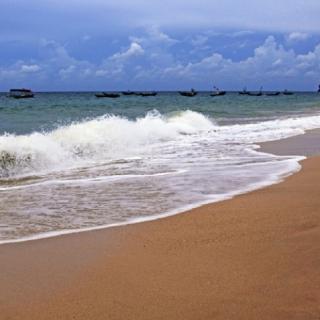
[[255, 94], [217, 92], [20, 93], [190, 93], [272, 94], [244, 91], [128, 93], [319, 88], [287, 93], [146, 94], [220, 93], [107, 95]]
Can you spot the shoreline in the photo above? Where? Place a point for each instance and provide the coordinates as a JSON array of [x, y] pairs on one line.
[[307, 145], [251, 257], [225, 197], [278, 147]]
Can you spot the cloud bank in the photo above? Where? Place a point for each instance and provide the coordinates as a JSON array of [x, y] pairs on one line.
[[142, 44], [150, 61]]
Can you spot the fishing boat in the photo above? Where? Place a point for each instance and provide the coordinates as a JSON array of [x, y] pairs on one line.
[[272, 94], [190, 93], [217, 92], [21, 93], [147, 94], [107, 95], [255, 94], [244, 91], [128, 93], [287, 93]]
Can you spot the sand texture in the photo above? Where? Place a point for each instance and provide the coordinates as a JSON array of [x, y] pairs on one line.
[[253, 257]]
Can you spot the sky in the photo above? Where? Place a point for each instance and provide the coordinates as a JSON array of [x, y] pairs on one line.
[[55, 45]]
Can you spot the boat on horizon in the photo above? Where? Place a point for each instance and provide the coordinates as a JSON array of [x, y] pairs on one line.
[[217, 92], [21, 93], [244, 91], [128, 93], [107, 95], [272, 94], [287, 93], [146, 94], [255, 94], [190, 93]]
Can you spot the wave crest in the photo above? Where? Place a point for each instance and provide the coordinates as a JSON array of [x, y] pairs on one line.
[[104, 138]]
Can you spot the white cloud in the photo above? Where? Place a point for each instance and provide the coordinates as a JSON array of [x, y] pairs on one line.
[[297, 36], [64, 73], [199, 40], [55, 52], [310, 61], [30, 68], [146, 53], [115, 65], [242, 33], [270, 63], [147, 62], [20, 70], [59, 64], [154, 37], [135, 49], [101, 73]]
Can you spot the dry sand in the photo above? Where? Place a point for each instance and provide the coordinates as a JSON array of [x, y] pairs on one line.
[[253, 257]]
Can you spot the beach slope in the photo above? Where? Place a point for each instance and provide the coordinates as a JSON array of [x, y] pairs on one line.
[[253, 257]]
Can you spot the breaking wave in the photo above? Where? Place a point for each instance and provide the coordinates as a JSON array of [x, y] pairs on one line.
[[111, 170], [112, 137], [105, 138]]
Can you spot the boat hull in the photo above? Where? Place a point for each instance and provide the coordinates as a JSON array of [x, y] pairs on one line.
[[22, 97], [188, 94], [107, 95], [272, 94], [128, 93], [146, 94], [20, 93], [217, 94]]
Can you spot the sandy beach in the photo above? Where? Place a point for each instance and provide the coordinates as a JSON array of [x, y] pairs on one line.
[[253, 257]]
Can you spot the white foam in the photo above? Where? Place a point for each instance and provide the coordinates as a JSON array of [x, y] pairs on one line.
[[86, 181], [268, 130], [111, 137], [293, 166], [212, 163], [108, 137]]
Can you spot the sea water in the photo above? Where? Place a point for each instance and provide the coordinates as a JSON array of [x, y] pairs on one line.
[[72, 162]]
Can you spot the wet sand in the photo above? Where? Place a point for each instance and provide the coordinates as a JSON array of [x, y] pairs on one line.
[[307, 144], [256, 256]]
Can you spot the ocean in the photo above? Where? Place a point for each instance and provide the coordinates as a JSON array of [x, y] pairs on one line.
[[72, 162]]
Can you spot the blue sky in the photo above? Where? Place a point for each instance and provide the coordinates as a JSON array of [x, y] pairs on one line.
[[164, 45]]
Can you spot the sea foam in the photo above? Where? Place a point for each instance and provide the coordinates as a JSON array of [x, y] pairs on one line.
[[111, 170], [104, 138]]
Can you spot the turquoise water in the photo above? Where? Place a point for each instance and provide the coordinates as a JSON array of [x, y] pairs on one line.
[[49, 110], [72, 162]]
